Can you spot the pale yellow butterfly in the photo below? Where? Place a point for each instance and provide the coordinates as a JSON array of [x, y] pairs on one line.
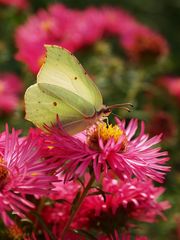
[[64, 88]]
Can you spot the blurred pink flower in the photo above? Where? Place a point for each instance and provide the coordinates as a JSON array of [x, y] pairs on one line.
[[32, 37], [106, 146], [162, 122], [123, 236], [16, 3], [22, 173], [80, 28], [10, 87], [172, 85], [76, 29], [140, 43], [61, 26], [86, 28], [118, 21]]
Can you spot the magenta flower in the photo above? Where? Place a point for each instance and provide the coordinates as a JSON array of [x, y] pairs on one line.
[[140, 43], [139, 199], [38, 31], [172, 85], [125, 203], [162, 122], [76, 29], [16, 3], [118, 21], [124, 236], [10, 88], [22, 172], [108, 147], [86, 28]]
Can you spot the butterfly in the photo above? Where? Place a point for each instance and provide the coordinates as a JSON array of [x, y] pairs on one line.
[[64, 88]]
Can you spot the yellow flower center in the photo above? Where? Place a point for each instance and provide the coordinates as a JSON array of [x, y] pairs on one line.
[[4, 173], [15, 232], [1, 87], [105, 132], [108, 131], [46, 25]]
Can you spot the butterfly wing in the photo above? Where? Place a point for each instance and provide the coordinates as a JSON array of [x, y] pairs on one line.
[[42, 109], [63, 76], [77, 102]]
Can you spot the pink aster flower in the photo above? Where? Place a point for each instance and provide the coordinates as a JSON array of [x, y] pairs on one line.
[[86, 28], [34, 34], [22, 172], [172, 85], [80, 28], [123, 204], [140, 43], [162, 122], [16, 3], [10, 88], [106, 146], [59, 25], [76, 29], [118, 21]]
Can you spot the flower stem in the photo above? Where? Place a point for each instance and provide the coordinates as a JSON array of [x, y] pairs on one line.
[[44, 226], [39, 209], [77, 205]]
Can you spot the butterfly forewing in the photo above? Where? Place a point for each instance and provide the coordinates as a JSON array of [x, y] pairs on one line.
[[62, 69]]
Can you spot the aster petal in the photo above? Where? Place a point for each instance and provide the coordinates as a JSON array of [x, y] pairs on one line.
[[28, 172]]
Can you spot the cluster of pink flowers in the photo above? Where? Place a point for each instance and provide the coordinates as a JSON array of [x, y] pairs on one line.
[[117, 202], [75, 29], [15, 3], [117, 207], [99, 182], [119, 163], [10, 87]]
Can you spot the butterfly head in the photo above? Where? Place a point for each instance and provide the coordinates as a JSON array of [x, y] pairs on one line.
[[106, 110]]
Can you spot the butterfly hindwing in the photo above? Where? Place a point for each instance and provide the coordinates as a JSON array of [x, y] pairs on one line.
[[43, 109]]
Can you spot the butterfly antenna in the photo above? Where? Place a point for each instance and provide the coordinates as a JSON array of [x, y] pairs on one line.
[[124, 106], [115, 114]]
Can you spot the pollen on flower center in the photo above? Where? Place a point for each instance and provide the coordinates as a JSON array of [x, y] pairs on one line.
[[4, 173], [1, 87], [105, 132], [15, 232], [46, 25]]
